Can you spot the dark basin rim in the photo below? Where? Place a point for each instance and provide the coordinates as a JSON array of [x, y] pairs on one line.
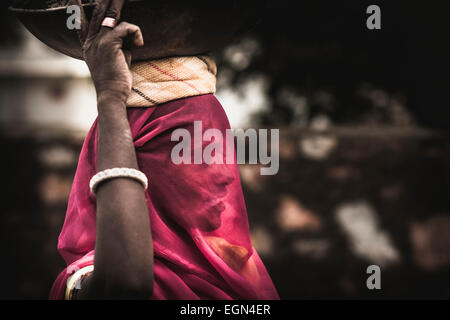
[[13, 9]]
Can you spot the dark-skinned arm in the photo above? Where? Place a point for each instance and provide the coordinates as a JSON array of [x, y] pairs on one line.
[[123, 263]]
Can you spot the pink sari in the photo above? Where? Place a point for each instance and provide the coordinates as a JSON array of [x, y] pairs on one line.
[[198, 217]]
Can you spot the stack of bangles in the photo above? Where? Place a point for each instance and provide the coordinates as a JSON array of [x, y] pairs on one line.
[[118, 173]]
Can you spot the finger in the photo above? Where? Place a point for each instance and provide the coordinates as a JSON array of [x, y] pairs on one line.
[[114, 12], [126, 29], [97, 17], [115, 8], [82, 32]]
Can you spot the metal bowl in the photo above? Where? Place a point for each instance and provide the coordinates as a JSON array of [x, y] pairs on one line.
[[170, 28]]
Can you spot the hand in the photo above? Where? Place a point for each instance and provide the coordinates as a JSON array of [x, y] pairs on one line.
[[103, 49]]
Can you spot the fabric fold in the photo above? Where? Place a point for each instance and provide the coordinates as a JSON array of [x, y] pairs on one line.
[[199, 222]]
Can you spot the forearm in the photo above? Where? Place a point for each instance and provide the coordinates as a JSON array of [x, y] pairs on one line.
[[115, 142], [123, 263]]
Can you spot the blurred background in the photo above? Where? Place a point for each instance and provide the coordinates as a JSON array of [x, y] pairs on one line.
[[364, 148]]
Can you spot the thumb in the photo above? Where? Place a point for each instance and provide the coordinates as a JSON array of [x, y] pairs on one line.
[[126, 29]]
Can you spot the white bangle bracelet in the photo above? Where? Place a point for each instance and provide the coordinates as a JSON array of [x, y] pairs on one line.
[[118, 173]]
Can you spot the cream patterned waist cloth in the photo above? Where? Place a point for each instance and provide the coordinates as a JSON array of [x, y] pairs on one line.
[[160, 81]]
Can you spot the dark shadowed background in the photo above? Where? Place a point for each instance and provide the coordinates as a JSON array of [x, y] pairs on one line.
[[364, 148]]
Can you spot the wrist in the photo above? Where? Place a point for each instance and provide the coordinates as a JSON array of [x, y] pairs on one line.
[[112, 96], [110, 99]]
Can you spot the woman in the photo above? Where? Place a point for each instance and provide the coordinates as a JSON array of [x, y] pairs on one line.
[[185, 236]]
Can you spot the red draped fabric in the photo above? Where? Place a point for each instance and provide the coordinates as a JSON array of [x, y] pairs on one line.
[[198, 217]]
